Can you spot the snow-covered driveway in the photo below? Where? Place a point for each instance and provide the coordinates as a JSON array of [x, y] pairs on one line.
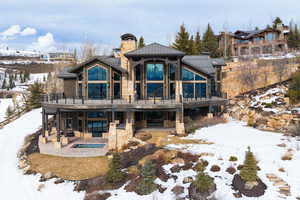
[[13, 184]]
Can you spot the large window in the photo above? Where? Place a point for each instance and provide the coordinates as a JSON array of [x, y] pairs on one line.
[[97, 90], [97, 127], [155, 72], [188, 90], [172, 71], [155, 89], [270, 36], [97, 73], [194, 85], [155, 79]]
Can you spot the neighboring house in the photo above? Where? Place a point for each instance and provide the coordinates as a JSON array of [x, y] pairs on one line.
[[269, 41], [60, 56], [151, 87]]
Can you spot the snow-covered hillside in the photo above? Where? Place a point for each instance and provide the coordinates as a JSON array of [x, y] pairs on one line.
[[12, 52], [15, 185]]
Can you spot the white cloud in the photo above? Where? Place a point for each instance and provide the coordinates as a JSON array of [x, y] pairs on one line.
[[11, 32], [28, 31], [45, 43]]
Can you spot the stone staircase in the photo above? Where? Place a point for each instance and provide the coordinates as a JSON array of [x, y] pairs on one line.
[[283, 187]]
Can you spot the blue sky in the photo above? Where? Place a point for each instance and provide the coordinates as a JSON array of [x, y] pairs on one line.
[[65, 24]]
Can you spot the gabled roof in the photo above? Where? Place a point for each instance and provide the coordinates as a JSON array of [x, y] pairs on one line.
[[155, 49], [203, 63], [108, 60], [65, 74], [249, 34]]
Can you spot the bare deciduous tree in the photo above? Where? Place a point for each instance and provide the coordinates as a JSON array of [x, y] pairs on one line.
[[87, 50]]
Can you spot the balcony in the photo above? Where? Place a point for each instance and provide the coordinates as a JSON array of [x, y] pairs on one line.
[[127, 103]]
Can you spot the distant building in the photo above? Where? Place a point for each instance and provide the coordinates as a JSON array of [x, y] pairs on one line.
[[61, 56], [268, 41]]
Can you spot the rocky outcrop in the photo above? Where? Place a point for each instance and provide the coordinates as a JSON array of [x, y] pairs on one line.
[[266, 109], [249, 189]]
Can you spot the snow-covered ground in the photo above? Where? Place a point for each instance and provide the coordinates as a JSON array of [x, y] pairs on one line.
[[15, 185], [4, 103], [232, 139]]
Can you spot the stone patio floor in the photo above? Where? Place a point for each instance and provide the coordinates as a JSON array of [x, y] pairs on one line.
[[68, 151]]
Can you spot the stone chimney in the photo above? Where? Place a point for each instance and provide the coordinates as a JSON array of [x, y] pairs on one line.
[[128, 43]]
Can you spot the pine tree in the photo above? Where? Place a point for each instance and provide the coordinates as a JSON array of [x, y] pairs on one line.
[[114, 174], [249, 170], [182, 40], [4, 84], [191, 46], [141, 42], [210, 42], [36, 91], [198, 45], [294, 88], [9, 112], [276, 22], [146, 184], [203, 182], [49, 77]]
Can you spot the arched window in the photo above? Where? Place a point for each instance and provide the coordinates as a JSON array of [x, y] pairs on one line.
[[97, 73]]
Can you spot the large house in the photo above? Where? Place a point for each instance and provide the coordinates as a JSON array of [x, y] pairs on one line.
[[113, 97], [268, 41]]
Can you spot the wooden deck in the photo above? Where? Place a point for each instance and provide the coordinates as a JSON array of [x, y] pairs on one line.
[[121, 104]]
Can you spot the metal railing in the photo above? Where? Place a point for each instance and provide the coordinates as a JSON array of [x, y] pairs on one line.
[[83, 100]]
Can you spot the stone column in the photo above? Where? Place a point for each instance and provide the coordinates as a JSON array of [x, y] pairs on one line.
[[180, 130]]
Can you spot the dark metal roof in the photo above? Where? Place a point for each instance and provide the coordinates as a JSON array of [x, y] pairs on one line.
[[65, 74], [249, 34], [113, 62], [218, 62], [202, 63], [155, 49]]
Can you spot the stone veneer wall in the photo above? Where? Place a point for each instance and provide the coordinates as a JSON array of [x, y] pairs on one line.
[[244, 76]]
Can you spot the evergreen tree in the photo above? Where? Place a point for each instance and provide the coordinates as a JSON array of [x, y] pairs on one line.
[[191, 46], [182, 40], [36, 91], [49, 76], [276, 22], [294, 88], [294, 37], [114, 174], [210, 42], [4, 84], [203, 182], [146, 184], [249, 170], [11, 82], [198, 47], [9, 112], [141, 42]]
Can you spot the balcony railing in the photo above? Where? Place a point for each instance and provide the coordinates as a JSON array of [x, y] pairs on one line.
[[61, 99]]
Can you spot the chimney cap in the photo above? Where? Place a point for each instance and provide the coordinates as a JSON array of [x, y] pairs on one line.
[[128, 36]]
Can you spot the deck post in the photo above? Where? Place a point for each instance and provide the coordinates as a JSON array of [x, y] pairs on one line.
[[58, 118], [43, 122]]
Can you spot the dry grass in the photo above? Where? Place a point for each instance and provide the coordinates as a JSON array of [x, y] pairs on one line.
[[164, 138], [69, 168]]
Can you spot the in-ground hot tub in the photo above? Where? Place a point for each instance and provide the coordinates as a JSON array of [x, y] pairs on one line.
[[88, 145]]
